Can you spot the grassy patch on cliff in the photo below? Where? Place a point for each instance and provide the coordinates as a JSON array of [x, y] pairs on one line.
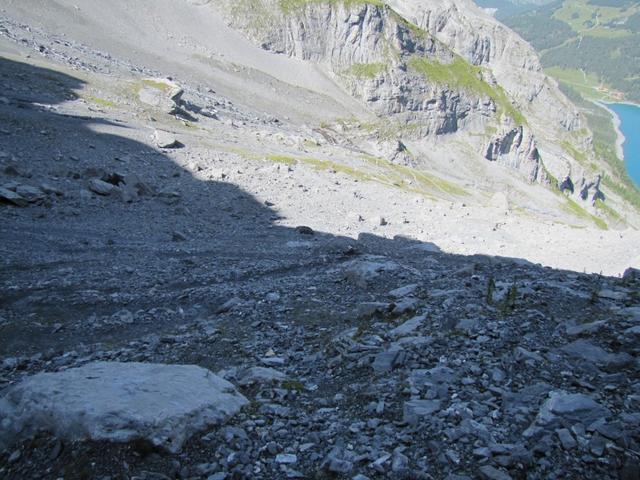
[[289, 6], [461, 75], [572, 207], [366, 70]]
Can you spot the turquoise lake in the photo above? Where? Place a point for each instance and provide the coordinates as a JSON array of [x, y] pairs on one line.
[[630, 128]]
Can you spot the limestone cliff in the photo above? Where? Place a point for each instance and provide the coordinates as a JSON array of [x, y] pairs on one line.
[[429, 68]]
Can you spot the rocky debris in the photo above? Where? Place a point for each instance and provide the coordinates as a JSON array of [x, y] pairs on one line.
[[381, 357], [571, 407], [100, 187], [408, 327], [121, 402], [12, 197], [367, 268], [31, 194], [260, 375], [164, 139], [588, 351], [488, 472], [416, 410], [161, 93]]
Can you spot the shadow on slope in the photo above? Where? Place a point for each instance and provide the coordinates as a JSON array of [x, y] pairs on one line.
[[80, 269]]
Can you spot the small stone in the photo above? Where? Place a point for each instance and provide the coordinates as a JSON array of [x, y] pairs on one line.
[[406, 305], [229, 305], [178, 236], [337, 465], [218, 476], [597, 445], [404, 291], [388, 360], [101, 188], [415, 410], [272, 297], [567, 440], [574, 407], [260, 375], [15, 456], [31, 194], [9, 196], [491, 473], [286, 458], [51, 190], [165, 139], [399, 462]]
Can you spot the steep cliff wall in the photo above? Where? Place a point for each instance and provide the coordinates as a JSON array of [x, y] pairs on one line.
[[431, 67]]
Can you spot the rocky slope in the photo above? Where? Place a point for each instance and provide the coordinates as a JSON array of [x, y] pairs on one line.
[[214, 276], [434, 68]]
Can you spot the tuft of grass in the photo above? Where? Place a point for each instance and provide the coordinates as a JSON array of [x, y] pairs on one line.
[[99, 101], [158, 85], [508, 304], [491, 288], [293, 385], [366, 70]]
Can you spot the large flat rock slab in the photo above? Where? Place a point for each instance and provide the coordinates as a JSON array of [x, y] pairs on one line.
[[164, 404]]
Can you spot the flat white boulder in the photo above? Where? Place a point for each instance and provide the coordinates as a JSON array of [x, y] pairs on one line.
[[119, 402]]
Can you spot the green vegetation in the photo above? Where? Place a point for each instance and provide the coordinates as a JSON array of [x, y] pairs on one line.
[[374, 169], [572, 207], [508, 303], [598, 37], [608, 212], [366, 70], [157, 84], [491, 288], [289, 6], [604, 139], [294, 385], [99, 101], [460, 74]]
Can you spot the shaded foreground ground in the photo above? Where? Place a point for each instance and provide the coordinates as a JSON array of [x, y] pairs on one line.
[[199, 272]]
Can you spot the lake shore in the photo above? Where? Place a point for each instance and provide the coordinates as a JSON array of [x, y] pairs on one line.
[[617, 122]]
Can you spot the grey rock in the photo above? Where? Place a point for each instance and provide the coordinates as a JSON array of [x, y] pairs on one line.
[[161, 93], [366, 269], [415, 410], [165, 404], [51, 190], [388, 360], [585, 328], [404, 291], [31, 194], [164, 139], [406, 305], [585, 350], [572, 407], [9, 196], [260, 375], [399, 462], [229, 305], [491, 473], [408, 327], [286, 458], [100, 187], [566, 439]]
